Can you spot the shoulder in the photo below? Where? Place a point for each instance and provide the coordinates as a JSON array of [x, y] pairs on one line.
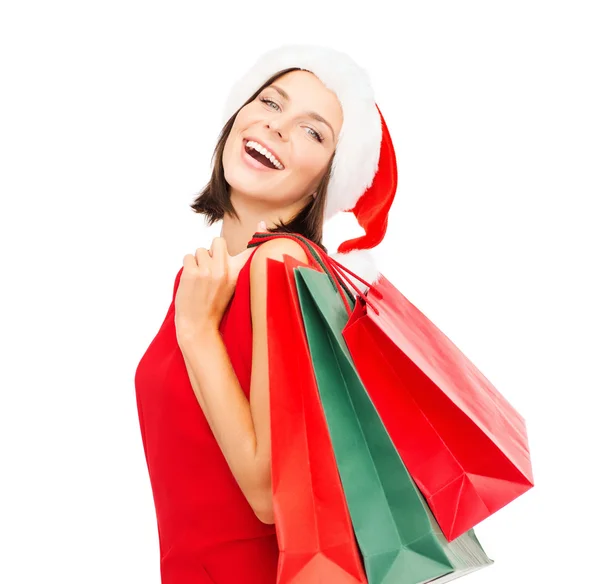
[[275, 249]]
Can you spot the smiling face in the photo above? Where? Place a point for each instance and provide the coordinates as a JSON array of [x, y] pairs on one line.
[[297, 120]]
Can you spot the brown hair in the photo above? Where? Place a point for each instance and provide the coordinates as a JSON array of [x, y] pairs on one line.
[[214, 200]]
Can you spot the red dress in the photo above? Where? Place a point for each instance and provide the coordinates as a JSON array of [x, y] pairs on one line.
[[208, 533]]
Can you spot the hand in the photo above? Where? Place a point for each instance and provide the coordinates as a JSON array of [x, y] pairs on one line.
[[206, 286]]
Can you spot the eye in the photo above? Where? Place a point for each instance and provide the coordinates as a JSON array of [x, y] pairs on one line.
[[267, 100], [318, 136]]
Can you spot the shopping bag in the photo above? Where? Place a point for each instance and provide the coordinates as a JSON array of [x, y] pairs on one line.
[[314, 532], [398, 536], [463, 443]]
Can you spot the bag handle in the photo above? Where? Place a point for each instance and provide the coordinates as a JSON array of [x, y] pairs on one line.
[[331, 267], [309, 248]]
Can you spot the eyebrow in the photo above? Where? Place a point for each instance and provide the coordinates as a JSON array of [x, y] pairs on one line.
[[313, 115]]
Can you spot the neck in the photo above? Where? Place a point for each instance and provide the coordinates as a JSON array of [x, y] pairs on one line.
[[238, 232]]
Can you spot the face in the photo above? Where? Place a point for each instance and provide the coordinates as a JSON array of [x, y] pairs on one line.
[[299, 125]]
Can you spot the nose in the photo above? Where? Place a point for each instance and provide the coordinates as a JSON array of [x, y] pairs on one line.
[[278, 126]]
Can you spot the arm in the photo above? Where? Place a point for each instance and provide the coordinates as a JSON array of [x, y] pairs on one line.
[[241, 427]]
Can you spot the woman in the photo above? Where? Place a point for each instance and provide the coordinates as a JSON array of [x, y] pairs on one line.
[[305, 145]]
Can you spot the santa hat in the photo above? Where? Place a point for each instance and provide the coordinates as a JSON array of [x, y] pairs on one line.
[[364, 175]]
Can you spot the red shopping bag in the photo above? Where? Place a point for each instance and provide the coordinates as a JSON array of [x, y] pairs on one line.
[[314, 531], [462, 442]]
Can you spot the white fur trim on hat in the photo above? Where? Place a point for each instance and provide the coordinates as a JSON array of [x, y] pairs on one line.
[[362, 263], [357, 152]]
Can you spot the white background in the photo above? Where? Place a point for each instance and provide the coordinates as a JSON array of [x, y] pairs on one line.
[[109, 114]]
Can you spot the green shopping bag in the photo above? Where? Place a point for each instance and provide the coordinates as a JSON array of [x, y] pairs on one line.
[[398, 536]]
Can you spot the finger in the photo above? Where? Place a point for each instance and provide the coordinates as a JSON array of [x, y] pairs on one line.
[[189, 261], [218, 248], [261, 227], [219, 256], [202, 257]]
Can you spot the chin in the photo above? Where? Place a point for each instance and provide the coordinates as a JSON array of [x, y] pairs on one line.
[[251, 183], [247, 191], [246, 184]]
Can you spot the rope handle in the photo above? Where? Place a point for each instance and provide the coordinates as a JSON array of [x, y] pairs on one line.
[[331, 267]]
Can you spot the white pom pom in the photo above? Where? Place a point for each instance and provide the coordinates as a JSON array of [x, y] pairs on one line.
[[362, 263]]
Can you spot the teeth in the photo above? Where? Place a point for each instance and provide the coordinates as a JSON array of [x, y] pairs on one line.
[[265, 152]]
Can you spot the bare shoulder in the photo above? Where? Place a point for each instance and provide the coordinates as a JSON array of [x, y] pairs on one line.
[[276, 249]]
